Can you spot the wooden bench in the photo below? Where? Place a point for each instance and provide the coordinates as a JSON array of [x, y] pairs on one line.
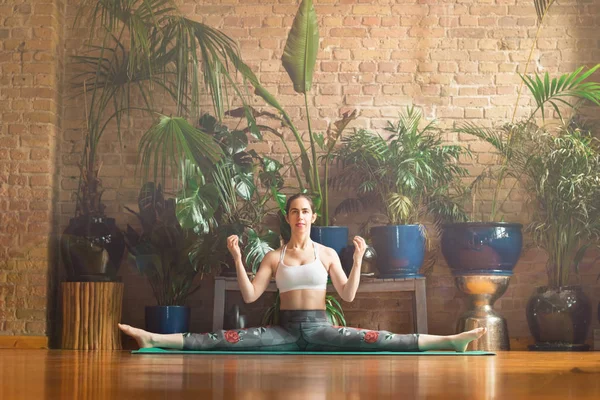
[[367, 285]]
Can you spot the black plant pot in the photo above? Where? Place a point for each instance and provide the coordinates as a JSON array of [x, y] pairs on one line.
[[92, 249], [559, 318], [168, 319]]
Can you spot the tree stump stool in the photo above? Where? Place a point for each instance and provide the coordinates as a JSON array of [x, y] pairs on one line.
[[90, 313]]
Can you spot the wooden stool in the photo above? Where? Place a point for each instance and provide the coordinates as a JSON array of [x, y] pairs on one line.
[[91, 311]]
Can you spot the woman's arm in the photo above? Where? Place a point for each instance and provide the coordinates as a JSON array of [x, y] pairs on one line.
[[347, 286], [251, 291]]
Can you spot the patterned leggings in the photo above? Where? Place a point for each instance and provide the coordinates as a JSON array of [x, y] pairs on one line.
[[301, 330]]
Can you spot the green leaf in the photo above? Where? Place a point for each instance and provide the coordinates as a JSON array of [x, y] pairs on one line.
[[280, 198], [320, 140], [258, 246], [270, 164], [171, 141], [197, 206], [300, 52], [244, 185]]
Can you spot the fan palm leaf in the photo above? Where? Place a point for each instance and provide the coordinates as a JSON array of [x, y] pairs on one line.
[[553, 91]]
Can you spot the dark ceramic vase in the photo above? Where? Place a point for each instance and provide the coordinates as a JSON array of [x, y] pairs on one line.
[[479, 248], [559, 318], [168, 319], [92, 249], [400, 250]]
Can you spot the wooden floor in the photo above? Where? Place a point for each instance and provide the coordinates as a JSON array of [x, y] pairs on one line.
[[59, 374]]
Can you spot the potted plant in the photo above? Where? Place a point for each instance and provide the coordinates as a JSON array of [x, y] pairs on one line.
[[233, 196], [163, 252], [299, 58], [146, 50], [563, 177], [403, 177], [487, 244], [483, 252]]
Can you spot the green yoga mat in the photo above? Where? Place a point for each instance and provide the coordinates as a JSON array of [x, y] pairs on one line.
[[317, 353]]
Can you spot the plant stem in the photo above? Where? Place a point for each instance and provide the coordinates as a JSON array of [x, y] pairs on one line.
[[325, 201], [288, 122], [316, 183]]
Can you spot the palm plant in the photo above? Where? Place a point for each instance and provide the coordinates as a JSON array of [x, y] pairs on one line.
[[404, 176], [146, 46], [511, 140], [409, 178], [563, 177]]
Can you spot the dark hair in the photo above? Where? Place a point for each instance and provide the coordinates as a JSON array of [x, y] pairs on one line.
[[297, 196]]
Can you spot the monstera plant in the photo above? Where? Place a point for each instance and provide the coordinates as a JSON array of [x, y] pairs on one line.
[[233, 196]]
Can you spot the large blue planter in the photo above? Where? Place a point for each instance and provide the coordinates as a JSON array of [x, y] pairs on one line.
[[481, 248], [168, 319], [335, 237], [400, 250]]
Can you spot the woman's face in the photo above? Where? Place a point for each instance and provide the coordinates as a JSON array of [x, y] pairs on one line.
[[300, 216]]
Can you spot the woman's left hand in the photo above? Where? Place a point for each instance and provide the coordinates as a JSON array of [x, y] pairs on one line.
[[360, 246]]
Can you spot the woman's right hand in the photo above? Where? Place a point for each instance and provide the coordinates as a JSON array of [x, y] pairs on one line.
[[234, 247]]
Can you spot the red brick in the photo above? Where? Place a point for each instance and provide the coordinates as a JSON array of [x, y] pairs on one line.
[[18, 155], [40, 154], [39, 166]]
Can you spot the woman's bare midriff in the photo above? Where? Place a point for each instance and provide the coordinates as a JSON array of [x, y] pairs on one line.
[[302, 299]]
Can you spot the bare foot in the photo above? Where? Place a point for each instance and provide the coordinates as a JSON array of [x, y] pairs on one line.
[[142, 337], [462, 340]]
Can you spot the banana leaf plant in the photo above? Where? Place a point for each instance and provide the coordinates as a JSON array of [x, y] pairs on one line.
[[163, 250], [241, 184], [333, 308], [146, 50], [299, 59]]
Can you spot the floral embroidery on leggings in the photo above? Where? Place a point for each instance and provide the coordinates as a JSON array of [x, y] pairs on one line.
[[371, 336], [232, 336]]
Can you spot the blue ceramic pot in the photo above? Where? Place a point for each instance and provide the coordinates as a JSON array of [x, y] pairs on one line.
[[400, 250], [335, 237], [481, 248], [168, 319]]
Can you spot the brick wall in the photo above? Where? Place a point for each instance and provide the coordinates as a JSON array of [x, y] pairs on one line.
[[456, 60], [31, 59]]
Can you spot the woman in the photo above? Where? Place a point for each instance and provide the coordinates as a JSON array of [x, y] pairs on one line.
[[301, 268]]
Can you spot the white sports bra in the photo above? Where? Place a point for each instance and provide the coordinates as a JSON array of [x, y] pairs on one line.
[[308, 276]]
